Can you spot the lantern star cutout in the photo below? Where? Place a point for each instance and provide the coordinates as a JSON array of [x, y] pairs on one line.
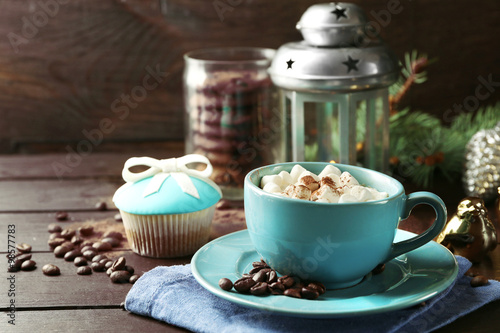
[[289, 64], [339, 12], [352, 64]]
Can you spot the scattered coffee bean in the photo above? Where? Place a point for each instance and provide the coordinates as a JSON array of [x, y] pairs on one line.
[[109, 271], [260, 276], [225, 284], [259, 289], [24, 257], [23, 248], [136, 277], [108, 264], [277, 288], [118, 218], [99, 257], [54, 227], [14, 265], [97, 267], [479, 281], [84, 270], [61, 250], [87, 243], [113, 234], [287, 281], [55, 235], [309, 293], [67, 234], [129, 269], [71, 255], [101, 206], [102, 247], [243, 285], [113, 241], [51, 270], [86, 230], [318, 286], [28, 265], [271, 277], [80, 261], [89, 254], [53, 243], [379, 269], [61, 216], [76, 240], [69, 245], [120, 276], [87, 247], [119, 264], [293, 292]]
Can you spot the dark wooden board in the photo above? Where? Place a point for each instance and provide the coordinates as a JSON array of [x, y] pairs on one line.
[[85, 320], [37, 290], [53, 195]]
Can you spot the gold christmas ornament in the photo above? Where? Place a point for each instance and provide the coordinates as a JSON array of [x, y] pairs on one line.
[[470, 233]]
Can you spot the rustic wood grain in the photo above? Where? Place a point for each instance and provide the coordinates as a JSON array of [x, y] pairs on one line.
[[64, 77], [87, 320], [53, 195]]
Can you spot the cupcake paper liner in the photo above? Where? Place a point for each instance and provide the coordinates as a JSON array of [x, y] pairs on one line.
[[169, 235]]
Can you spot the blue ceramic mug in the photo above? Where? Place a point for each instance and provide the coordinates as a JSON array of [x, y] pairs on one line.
[[336, 244]]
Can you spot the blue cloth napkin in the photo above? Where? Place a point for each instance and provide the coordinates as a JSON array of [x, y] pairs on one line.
[[171, 294]]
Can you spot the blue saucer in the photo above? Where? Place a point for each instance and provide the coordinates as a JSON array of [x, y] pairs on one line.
[[406, 281]]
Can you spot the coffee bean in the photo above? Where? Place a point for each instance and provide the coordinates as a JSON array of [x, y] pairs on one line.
[[277, 288], [61, 250], [308, 293], [97, 267], [86, 230], [259, 289], [15, 265], [87, 243], [53, 243], [23, 248], [109, 271], [61, 216], [113, 234], [255, 270], [68, 244], [293, 292], [318, 286], [243, 285], [113, 241], [102, 247], [287, 281], [55, 235], [84, 270], [134, 278], [119, 264], [80, 261], [24, 257], [129, 269], [379, 269], [28, 265], [118, 218], [54, 227], [225, 284], [99, 257], [260, 276], [87, 247], [102, 206], [89, 254], [76, 240], [71, 255], [67, 234], [260, 263], [479, 281], [108, 264], [120, 276], [51, 270], [271, 277]]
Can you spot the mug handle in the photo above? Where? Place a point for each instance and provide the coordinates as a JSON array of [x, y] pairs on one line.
[[412, 200]]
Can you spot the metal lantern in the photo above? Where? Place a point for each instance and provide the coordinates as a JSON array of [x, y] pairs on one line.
[[334, 88]]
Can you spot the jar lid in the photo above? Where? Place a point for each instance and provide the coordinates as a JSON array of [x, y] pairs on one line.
[[167, 187]]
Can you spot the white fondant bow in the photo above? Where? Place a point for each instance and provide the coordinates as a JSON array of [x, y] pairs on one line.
[[162, 169]]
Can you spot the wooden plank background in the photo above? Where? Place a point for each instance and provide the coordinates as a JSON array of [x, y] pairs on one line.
[[64, 63]]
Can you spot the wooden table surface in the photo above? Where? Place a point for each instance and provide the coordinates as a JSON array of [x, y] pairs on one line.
[[31, 194]]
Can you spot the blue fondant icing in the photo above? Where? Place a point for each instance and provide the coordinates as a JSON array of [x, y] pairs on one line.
[[170, 199]]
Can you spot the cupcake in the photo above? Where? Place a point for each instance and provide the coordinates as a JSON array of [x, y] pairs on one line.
[[167, 210]]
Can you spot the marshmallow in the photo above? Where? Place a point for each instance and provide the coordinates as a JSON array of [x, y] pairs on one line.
[[328, 170], [361, 193], [298, 192], [309, 181], [276, 179], [331, 180], [345, 198], [286, 179], [347, 179], [296, 171], [272, 188], [325, 194]]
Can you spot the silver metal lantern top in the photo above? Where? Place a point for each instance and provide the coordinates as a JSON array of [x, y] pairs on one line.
[[339, 52]]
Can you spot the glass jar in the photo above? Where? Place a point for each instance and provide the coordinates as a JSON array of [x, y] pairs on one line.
[[231, 113]]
